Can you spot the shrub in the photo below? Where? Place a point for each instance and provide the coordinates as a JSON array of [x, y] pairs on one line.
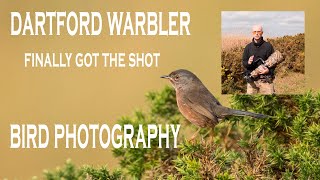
[[70, 172], [284, 146]]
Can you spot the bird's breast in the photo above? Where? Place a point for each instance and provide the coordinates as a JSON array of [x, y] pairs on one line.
[[190, 114]]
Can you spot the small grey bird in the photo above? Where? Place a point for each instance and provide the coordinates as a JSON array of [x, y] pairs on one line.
[[197, 104]]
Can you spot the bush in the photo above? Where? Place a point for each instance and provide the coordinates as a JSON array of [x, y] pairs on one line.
[[284, 146], [70, 172]]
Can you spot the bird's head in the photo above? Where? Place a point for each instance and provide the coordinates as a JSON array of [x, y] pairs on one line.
[[180, 78]]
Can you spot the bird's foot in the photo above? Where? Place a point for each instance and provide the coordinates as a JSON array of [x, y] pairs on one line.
[[209, 133], [192, 139]]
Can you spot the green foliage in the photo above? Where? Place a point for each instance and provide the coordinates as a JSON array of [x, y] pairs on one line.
[[140, 161], [291, 136], [70, 172], [284, 146], [163, 103], [100, 173], [67, 172], [188, 167], [291, 47]]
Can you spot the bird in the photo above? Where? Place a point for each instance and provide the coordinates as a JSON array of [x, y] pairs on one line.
[[197, 104]]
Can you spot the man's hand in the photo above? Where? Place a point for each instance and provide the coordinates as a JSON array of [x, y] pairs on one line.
[[250, 59], [263, 70]]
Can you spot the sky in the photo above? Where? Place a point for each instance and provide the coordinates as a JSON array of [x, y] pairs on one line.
[[275, 23]]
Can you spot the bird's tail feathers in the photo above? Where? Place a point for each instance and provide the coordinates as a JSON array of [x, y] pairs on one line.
[[247, 113]]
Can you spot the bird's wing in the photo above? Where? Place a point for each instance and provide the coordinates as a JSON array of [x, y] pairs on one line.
[[204, 103]]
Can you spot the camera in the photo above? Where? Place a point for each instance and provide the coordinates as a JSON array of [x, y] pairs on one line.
[[257, 61], [249, 76], [274, 59]]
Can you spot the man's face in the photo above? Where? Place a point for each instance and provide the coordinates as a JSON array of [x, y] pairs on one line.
[[257, 32]]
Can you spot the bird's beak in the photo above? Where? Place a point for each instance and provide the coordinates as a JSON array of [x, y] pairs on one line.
[[165, 76]]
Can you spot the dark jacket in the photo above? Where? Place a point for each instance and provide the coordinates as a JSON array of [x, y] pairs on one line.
[[262, 50]]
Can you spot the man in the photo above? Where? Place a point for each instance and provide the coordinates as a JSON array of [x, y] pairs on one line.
[[254, 54]]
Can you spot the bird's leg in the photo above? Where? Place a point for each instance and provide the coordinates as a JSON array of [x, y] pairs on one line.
[[195, 134], [207, 133]]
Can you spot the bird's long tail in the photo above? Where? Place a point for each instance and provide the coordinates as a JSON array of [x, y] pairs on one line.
[[246, 113]]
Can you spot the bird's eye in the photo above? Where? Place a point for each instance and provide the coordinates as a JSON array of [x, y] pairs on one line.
[[176, 77]]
